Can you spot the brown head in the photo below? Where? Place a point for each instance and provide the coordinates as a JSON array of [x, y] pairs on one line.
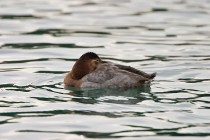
[[85, 64]]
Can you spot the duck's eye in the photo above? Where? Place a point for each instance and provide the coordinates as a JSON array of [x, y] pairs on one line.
[[97, 61]]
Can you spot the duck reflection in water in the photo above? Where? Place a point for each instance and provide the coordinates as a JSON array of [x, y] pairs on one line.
[[110, 95], [90, 71]]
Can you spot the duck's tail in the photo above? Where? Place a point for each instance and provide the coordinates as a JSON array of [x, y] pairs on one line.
[[152, 76]]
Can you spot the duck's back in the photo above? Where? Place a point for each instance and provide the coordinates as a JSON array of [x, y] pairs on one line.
[[108, 75]]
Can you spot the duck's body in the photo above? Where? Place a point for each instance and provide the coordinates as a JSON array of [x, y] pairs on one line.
[[108, 75]]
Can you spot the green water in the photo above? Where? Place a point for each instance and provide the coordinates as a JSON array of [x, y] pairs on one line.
[[41, 39]]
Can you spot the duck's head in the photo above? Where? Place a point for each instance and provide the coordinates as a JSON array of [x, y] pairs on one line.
[[87, 63]]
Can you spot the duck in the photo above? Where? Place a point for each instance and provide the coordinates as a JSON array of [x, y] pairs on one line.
[[90, 71]]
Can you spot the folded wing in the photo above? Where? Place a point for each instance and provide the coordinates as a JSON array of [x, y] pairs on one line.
[[111, 75]]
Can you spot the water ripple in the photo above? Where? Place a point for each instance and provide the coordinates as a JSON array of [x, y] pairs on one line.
[[41, 40]]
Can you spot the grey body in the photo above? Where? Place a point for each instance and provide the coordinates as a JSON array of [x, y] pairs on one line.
[[110, 75]]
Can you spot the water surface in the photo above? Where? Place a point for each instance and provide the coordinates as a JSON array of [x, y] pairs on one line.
[[40, 41]]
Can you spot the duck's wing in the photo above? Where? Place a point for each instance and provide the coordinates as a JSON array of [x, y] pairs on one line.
[[110, 75], [133, 70], [99, 76]]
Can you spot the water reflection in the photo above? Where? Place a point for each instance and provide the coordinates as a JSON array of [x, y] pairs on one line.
[[117, 96]]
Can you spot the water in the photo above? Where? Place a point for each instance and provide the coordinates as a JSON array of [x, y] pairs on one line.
[[40, 41]]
